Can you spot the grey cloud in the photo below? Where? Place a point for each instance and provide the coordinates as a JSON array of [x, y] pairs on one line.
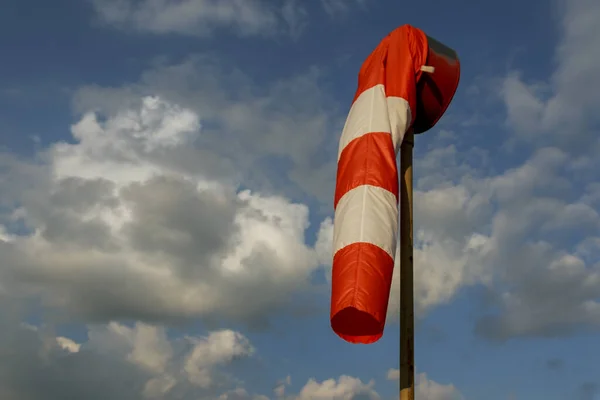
[[192, 17], [170, 216], [528, 234], [125, 235], [31, 369], [141, 361], [116, 362], [335, 8], [562, 111], [203, 18], [279, 138], [552, 292]]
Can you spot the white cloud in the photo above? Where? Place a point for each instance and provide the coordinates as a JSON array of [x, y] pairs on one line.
[[241, 394], [151, 349], [336, 7], [528, 233], [426, 388], [449, 253], [203, 18], [116, 361], [195, 17], [393, 374], [281, 387], [276, 138], [565, 107], [344, 388], [546, 225], [122, 233], [516, 233], [68, 344], [190, 362], [216, 349], [143, 361]]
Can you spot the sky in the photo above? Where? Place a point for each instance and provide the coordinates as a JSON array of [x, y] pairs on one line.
[[167, 170]]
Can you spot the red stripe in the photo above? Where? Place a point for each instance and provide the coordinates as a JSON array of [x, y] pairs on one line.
[[367, 160], [372, 72], [361, 281], [406, 53]]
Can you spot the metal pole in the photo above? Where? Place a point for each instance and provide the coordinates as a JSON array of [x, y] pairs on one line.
[[407, 323]]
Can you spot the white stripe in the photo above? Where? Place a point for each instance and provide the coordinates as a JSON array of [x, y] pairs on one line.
[[373, 112], [366, 214], [368, 113], [400, 119]]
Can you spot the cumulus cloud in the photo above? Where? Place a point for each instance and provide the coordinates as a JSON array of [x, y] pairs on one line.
[[276, 138], [116, 361], [529, 233], [343, 388], [204, 17], [143, 361], [535, 249], [428, 389], [241, 394], [517, 233], [546, 227], [564, 107], [115, 231], [336, 7], [450, 248], [199, 17]]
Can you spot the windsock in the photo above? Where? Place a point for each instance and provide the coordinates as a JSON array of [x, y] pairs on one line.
[[366, 195]]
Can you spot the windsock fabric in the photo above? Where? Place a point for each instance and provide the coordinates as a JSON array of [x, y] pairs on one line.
[[366, 195]]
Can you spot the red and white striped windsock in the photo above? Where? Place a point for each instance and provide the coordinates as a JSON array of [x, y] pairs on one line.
[[366, 195]]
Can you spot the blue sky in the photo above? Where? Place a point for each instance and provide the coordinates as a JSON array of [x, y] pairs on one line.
[[166, 182]]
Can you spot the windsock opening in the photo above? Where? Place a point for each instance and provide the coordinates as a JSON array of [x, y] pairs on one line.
[[356, 326]]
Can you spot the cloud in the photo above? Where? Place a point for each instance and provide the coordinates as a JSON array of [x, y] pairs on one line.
[[517, 234], [563, 109], [146, 213], [276, 138], [527, 232], [336, 7], [117, 229], [203, 18], [428, 389], [218, 348], [68, 344], [450, 245], [192, 363], [343, 388], [240, 394], [143, 361], [546, 227], [200, 17], [116, 361]]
